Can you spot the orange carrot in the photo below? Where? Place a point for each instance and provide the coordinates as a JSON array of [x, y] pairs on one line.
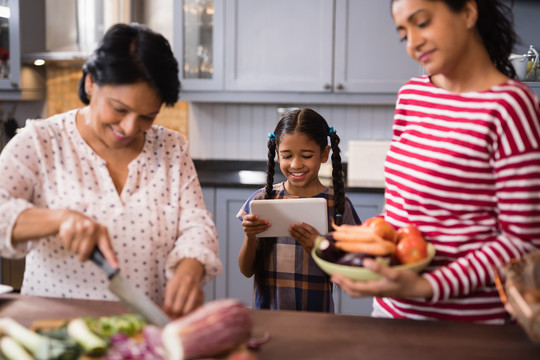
[[379, 248], [363, 237]]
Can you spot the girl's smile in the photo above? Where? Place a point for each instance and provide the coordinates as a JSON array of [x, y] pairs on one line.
[[300, 159]]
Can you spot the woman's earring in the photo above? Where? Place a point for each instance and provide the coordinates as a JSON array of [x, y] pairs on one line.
[[87, 93]]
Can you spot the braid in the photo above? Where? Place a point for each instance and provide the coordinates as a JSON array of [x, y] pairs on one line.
[[337, 179], [270, 168], [264, 248]]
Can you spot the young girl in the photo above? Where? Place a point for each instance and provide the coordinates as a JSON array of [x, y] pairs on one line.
[[286, 277], [463, 164]]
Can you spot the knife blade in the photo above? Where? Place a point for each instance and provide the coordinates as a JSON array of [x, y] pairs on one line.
[[134, 298]]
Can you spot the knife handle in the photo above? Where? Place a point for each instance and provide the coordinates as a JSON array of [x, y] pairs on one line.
[[98, 259]]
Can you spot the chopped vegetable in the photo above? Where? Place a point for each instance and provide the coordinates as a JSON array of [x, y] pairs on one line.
[[92, 344], [126, 348], [107, 326], [213, 329], [41, 347], [13, 350]]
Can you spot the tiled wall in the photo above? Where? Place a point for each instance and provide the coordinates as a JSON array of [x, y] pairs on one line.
[[239, 131], [62, 89]]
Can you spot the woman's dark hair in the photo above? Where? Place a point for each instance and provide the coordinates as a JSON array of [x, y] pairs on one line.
[[131, 53], [496, 28]]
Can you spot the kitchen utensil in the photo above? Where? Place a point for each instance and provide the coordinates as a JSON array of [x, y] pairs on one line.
[[130, 295], [519, 62], [532, 64]]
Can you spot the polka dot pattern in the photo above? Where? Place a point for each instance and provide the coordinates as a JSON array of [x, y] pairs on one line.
[[158, 219]]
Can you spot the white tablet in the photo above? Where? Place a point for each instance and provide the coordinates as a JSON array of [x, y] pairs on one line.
[[282, 213]]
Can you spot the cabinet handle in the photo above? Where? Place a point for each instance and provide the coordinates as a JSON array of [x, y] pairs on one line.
[[340, 87], [327, 86]]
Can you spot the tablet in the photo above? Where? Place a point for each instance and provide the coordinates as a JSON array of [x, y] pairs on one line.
[[282, 213]]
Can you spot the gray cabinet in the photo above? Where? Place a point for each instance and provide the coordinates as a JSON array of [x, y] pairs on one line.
[[368, 55], [10, 53], [319, 51], [366, 205], [224, 203], [279, 45], [18, 82]]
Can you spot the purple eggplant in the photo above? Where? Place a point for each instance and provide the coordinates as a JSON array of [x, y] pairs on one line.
[[353, 259], [326, 249]]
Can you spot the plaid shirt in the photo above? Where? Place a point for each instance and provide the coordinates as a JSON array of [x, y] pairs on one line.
[[292, 280]]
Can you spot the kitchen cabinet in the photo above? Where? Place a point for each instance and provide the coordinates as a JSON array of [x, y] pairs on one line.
[[231, 284], [224, 204], [321, 51], [366, 205], [10, 55], [17, 82]]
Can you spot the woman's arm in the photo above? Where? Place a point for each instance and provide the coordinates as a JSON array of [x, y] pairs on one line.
[[34, 223], [76, 231]]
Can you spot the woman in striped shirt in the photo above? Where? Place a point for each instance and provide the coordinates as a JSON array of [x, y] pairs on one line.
[[464, 164]]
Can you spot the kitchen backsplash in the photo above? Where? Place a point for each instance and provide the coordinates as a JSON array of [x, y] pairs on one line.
[[239, 131], [62, 95]]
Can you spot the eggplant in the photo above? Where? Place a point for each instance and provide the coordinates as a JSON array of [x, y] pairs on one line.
[[356, 259], [326, 249], [353, 259]]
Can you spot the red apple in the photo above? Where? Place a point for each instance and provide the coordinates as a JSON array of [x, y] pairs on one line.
[[381, 228], [411, 247], [409, 230]]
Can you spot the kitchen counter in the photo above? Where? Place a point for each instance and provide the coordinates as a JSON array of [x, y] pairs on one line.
[[248, 174], [302, 335]]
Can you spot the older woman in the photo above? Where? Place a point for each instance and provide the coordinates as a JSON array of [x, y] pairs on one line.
[[105, 176]]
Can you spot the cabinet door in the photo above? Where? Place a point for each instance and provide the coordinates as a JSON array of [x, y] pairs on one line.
[[366, 205], [281, 45], [10, 56], [232, 284], [209, 195], [198, 43], [368, 56]]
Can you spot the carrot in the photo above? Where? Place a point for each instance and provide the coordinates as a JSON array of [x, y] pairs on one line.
[[360, 236], [379, 248], [351, 228]]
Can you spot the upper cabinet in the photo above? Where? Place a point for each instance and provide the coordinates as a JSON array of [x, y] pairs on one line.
[[16, 82], [10, 58], [324, 51], [279, 45]]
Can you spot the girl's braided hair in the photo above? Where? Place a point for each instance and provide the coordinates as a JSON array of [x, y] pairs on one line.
[[309, 122]]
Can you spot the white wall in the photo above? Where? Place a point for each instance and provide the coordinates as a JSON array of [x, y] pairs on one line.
[[239, 131]]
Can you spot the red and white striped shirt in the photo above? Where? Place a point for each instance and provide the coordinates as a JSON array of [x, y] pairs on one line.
[[464, 168]]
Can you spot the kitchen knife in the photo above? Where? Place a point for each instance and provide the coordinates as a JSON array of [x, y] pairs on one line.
[[130, 295]]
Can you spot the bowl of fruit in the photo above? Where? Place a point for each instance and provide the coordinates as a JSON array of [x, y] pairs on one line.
[[344, 250]]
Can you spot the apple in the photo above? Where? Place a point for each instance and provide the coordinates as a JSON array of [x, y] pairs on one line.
[[381, 228], [411, 246], [409, 230]]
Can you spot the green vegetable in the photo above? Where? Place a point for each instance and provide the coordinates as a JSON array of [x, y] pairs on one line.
[[41, 347], [92, 344], [12, 350], [107, 326]]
